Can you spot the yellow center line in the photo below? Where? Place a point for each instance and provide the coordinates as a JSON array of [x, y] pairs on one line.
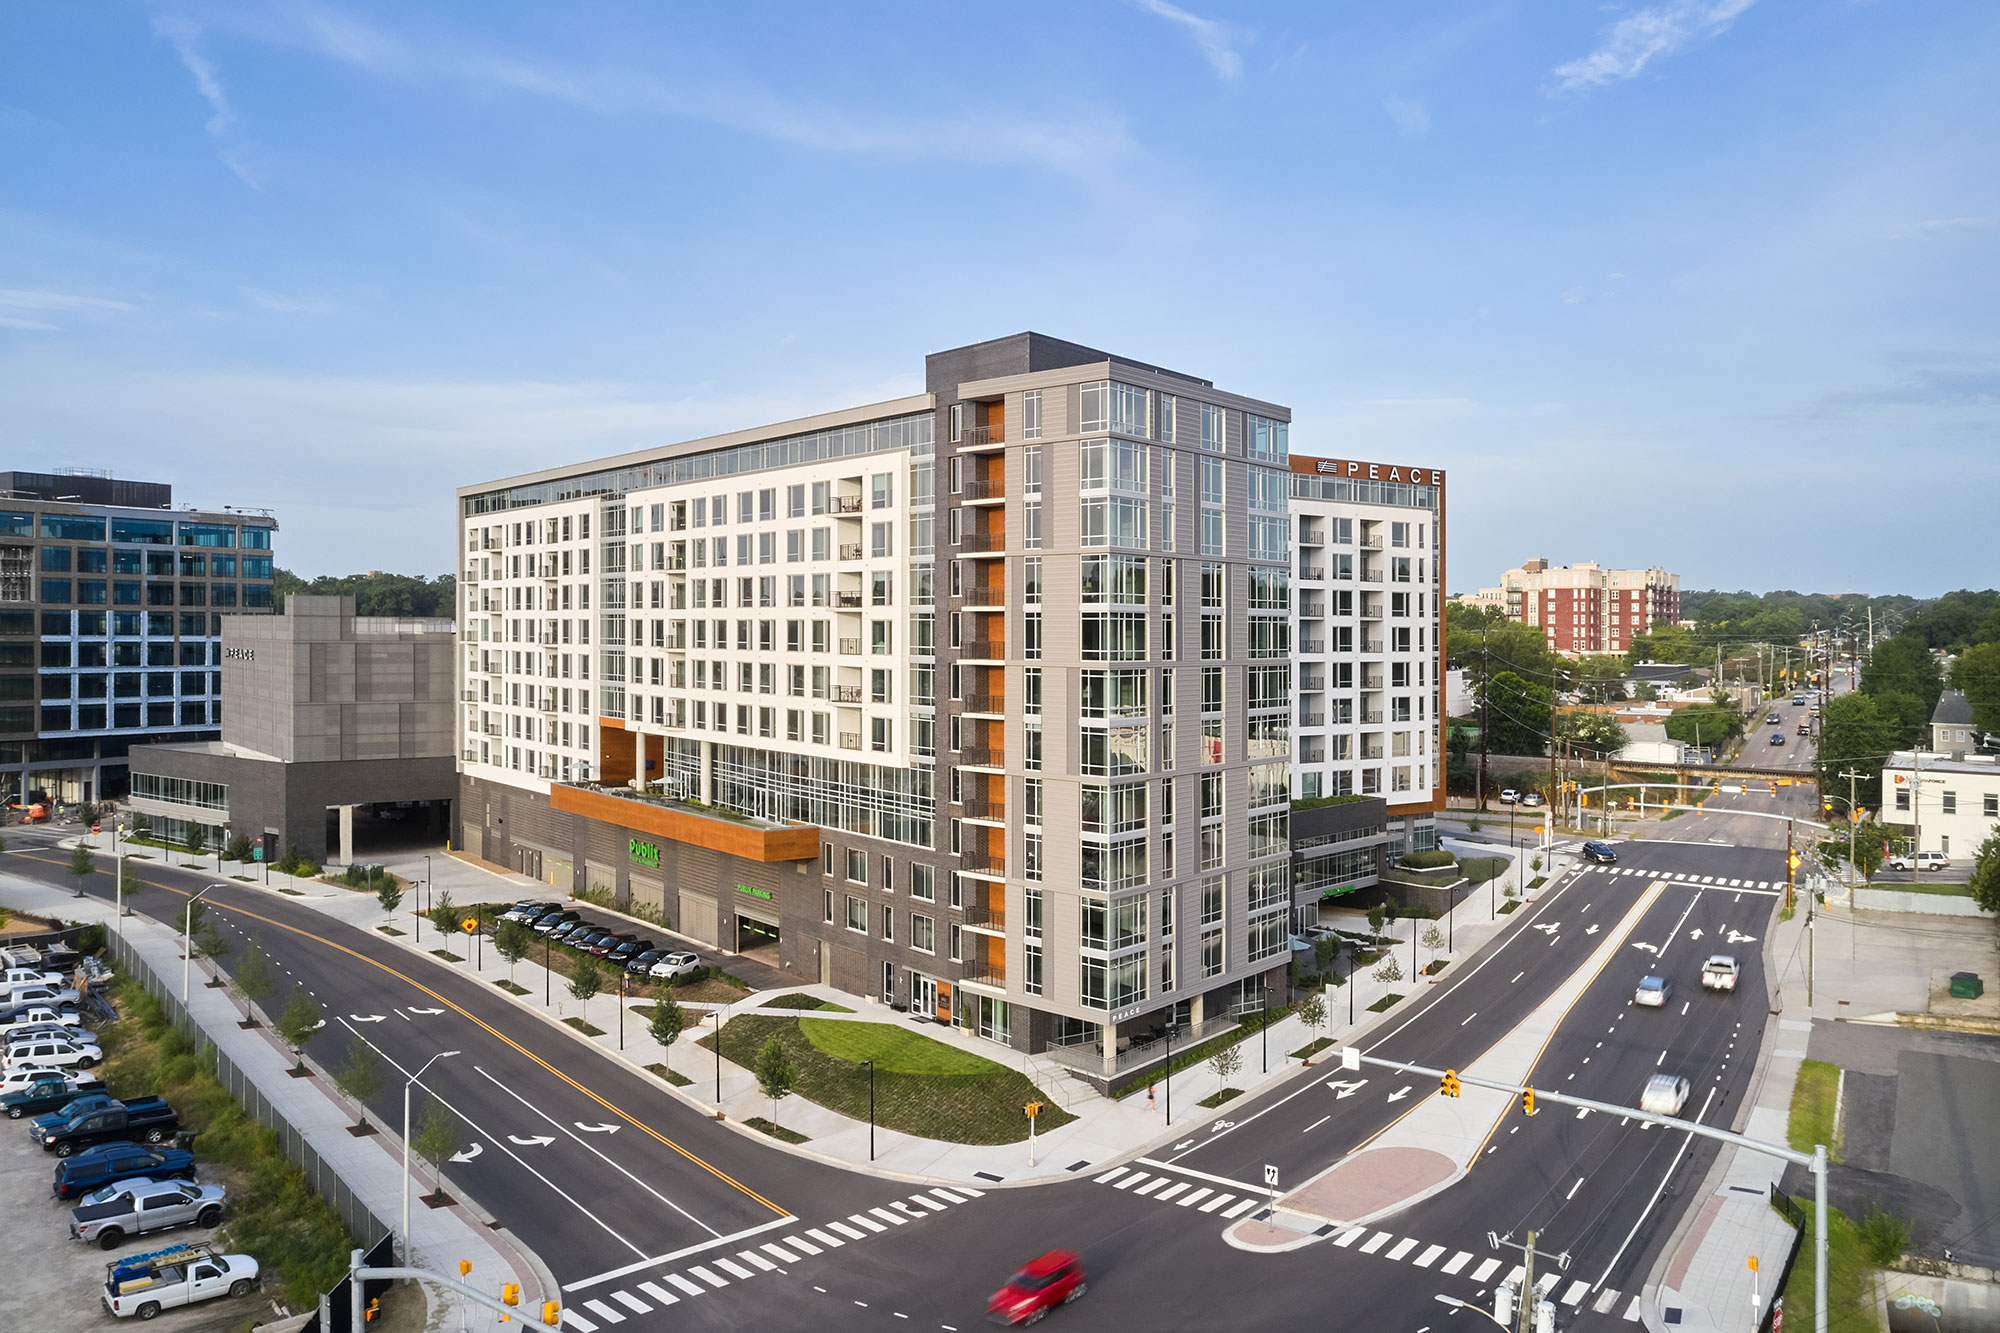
[[612, 1107]]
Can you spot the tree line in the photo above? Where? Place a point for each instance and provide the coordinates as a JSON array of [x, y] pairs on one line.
[[380, 594]]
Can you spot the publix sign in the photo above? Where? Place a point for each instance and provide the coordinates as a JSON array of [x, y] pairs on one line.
[[643, 852]]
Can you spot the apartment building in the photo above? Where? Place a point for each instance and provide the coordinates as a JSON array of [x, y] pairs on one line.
[[1584, 608], [976, 702], [1368, 569], [111, 602]]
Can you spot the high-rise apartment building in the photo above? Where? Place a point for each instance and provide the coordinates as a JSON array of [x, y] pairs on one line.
[[1368, 569], [111, 603], [976, 701], [1584, 608]]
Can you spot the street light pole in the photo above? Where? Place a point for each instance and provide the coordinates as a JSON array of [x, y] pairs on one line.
[[187, 942], [869, 1065], [408, 1257], [1264, 1028], [1170, 1072], [118, 867]]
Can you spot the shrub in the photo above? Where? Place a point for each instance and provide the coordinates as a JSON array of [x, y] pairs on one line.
[[1884, 1235], [1426, 860], [238, 849]]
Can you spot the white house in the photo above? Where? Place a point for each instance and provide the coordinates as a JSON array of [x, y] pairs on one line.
[[1950, 801], [1648, 743]]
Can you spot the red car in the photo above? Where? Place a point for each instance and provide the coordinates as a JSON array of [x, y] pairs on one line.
[[1054, 1279]]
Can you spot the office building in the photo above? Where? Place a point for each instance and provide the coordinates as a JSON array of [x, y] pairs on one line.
[[1584, 608], [977, 702], [111, 602], [1368, 568], [1947, 803]]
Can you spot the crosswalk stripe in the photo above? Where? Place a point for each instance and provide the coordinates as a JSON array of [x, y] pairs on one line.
[[734, 1269], [1605, 1300], [800, 1243], [863, 1220], [931, 1204], [1402, 1247], [571, 1319], [831, 1242], [1514, 1276], [948, 1196], [710, 1276], [1129, 1181], [1242, 1208], [1376, 1242], [1151, 1185], [1216, 1202], [1428, 1257], [888, 1216], [1187, 1199], [690, 1288], [848, 1231], [756, 1260], [1631, 1315], [1485, 1269], [1349, 1236], [1735, 883], [1575, 1292], [1456, 1262], [604, 1312], [1171, 1191], [631, 1302], [784, 1255], [1547, 1283], [659, 1293], [969, 1192], [1111, 1175]]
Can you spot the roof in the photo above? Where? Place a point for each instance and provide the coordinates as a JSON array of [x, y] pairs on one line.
[[1953, 708], [1646, 732]]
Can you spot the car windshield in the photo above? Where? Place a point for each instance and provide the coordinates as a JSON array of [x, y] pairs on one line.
[[1653, 983], [1027, 1281], [103, 1192]]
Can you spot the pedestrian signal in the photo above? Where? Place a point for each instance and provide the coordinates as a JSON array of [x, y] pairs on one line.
[[1449, 1085], [551, 1313], [510, 1293], [1527, 1101]]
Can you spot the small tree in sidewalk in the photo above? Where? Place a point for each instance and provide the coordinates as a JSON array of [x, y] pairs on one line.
[[437, 1138], [361, 1079], [586, 981], [667, 1021], [1433, 938], [388, 895], [297, 1024], [1312, 1013], [444, 914], [775, 1075], [1226, 1062], [511, 942], [1389, 972], [254, 980], [197, 840], [81, 864]]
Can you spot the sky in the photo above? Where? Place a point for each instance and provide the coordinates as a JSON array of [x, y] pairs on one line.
[[1706, 284]]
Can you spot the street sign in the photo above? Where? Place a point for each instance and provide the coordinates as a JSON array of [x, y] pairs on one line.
[[470, 925], [257, 853], [1350, 1057], [1270, 1175]]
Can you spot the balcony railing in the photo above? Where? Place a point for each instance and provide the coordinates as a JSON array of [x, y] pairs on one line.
[[982, 973], [979, 542], [1371, 682], [469, 696], [1311, 681], [844, 504], [989, 810], [980, 437], [985, 703], [1312, 647], [850, 740], [850, 550], [984, 490], [1371, 752], [983, 863], [980, 756], [984, 597], [1311, 536], [847, 694], [1312, 719], [469, 756], [1312, 571], [847, 599], [1370, 543], [1371, 717], [1371, 645], [1371, 576], [850, 647], [991, 650], [993, 917]]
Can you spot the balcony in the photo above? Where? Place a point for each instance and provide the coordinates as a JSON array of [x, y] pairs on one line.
[[981, 756], [850, 740], [982, 916], [1311, 535], [469, 696], [1315, 572], [984, 597], [1371, 645], [982, 973], [1371, 752], [1312, 719], [472, 573], [983, 437], [1370, 543], [1371, 717], [1371, 576], [1371, 682], [992, 812], [1312, 647], [976, 491], [708, 826], [848, 600], [846, 694], [494, 729], [988, 650], [470, 756], [983, 543], [982, 863], [844, 504], [850, 550], [850, 647], [1311, 681], [985, 703]]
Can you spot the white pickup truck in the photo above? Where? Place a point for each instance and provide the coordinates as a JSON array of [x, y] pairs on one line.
[[145, 1284], [1719, 972]]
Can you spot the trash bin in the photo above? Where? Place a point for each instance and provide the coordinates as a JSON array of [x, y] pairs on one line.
[[1966, 986]]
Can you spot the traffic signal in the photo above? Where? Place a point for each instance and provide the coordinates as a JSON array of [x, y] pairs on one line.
[[465, 1267], [1527, 1101], [551, 1313], [1792, 861], [510, 1293], [1032, 1109], [1449, 1085]]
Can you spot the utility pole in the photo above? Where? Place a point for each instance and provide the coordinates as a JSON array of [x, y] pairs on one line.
[[1790, 874], [1485, 690], [1555, 791], [1916, 810], [1853, 825]]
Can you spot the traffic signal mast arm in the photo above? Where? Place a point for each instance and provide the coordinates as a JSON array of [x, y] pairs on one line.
[[357, 1275]]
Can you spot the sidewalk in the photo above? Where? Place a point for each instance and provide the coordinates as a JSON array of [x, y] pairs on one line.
[[1105, 1130], [370, 1166]]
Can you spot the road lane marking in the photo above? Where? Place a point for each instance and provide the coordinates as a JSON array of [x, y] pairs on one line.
[[949, 1197], [1242, 1208], [1468, 1018], [571, 1319], [1573, 1189], [1130, 1181], [629, 1301], [757, 1261], [888, 1216], [1111, 1175], [1151, 1185], [709, 1276], [1403, 1247], [658, 1260], [830, 1241], [1171, 1191], [685, 1285], [1631, 1315], [863, 1220], [784, 1255], [604, 1312], [733, 1268], [799, 1243], [1518, 975], [1316, 1124], [1202, 1175], [931, 1204], [1575, 1292], [1673, 1166], [848, 1231], [1216, 1202]]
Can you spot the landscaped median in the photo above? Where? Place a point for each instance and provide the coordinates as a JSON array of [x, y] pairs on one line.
[[923, 1087]]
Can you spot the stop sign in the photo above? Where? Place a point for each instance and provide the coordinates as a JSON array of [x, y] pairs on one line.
[[94, 828]]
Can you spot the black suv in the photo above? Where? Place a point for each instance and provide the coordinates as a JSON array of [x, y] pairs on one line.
[[1603, 853]]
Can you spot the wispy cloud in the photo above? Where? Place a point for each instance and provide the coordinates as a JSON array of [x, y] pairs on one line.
[[31, 311], [184, 35], [1411, 117], [1636, 40], [1214, 39], [1910, 231]]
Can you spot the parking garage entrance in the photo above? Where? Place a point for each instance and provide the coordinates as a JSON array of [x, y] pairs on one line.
[[757, 933]]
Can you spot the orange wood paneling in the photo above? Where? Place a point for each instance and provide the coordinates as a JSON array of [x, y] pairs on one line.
[[797, 842]]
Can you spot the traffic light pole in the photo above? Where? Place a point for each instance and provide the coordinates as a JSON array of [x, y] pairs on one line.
[[357, 1274], [1450, 1081]]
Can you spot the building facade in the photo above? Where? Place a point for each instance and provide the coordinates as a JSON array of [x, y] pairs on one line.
[[326, 711], [1584, 608], [1946, 803], [977, 702], [111, 603], [1368, 568]]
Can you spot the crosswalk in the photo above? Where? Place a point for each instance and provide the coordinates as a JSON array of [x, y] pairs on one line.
[[714, 1272], [1181, 1192], [1682, 877]]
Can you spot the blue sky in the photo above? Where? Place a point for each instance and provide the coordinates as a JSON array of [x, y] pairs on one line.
[[1701, 283]]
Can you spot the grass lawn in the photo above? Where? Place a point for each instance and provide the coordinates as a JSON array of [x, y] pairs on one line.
[[1386, 1003], [778, 1132], [1215, 1099], [1813, 1099], [1312, 1048], [673, 1076], [1511, 905], [391, 930], [511, 988], [1479, 869], [448, 955], [922, 1087], [1945, 890], [804, 1001], [587, 1029], [1849, 1292]]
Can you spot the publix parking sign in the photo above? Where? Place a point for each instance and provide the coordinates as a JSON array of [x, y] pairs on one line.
[[645, 853]]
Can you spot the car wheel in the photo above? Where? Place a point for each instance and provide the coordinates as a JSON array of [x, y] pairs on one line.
[[1079, 1289], [85, 1063], [16, 1112], [109, 1239], [65, 1149], [187, 1175], [155, 1134], [150, 1310], [210, 1216], [240, 1287]]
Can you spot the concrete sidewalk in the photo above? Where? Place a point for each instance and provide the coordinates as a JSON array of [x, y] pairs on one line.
[[1105, 1129], [371, 1166]]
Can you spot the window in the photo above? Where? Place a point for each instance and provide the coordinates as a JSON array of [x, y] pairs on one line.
[[1950, 803], [1031, 415], [1902, 798], [923, 882], [1991, 805], [857, 914], [857, 866], [923, 933]]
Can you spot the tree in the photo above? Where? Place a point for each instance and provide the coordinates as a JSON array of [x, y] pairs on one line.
[[1226, 1062], [1903, 678], [1706, 725], [445, 914], [1390, 972], [1977, 672], [239, 849], [586, 981], [512, 942], [1325, 949], [254, 979], [297, 1024], [129, 882], [81, 864], [667, 1021], [1312, 1013], [142, 824], [191, 919], [389, 895], [1433, 938], [1985, 880], [1855, 734], [775, 1075], [1597, 735], [208, 941], [1378, 915], [361, 1079], [1870, 847], [1517, 715], [436, 1139], [197, 840]]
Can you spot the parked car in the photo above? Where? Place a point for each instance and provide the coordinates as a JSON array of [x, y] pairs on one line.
[[146, 1284], [31, 1031], [111, 1162], [677, 964], [13, 1080], [1654, 992], [566, 930], [58, 996], [1600, 853], [549, 922], [627, 948], [1054, 1279], [48, 1092], [603, 945], [1665, 1094], [37, 1015], [1509, 796], [30, 976], [43, 1124], [1531, 798], [528, 911], [148, 1118], [1922, 861], [583, 939], [641, 963], [1719, 972], [51, 1052], [134, 1207]]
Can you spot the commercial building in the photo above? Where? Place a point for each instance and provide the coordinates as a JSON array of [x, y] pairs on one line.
[[1946, 803], [111, 603], [976, 701], [1584, 608], [1368, 569], [328, 715]]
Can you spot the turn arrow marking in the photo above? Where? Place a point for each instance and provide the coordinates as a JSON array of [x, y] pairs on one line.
[[1649, 948], [532, 1141], [597, 1129], [1400, 1093], [1695, 934], [1183, 1144], [1592, 930], [369, 1018], [468, 1154], [426, 1011], [1347, 1089], [1736, 938]]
